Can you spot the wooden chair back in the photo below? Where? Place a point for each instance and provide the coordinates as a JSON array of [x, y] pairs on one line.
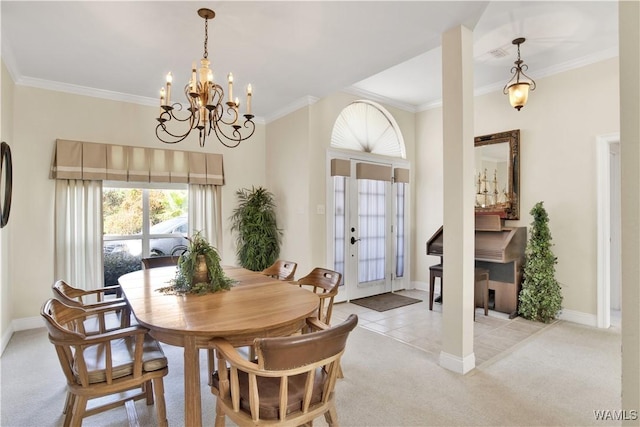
[[96, 321], [325, 284], [281, 270], [104, 364], [86, 297], [159, 261], [292, 382]]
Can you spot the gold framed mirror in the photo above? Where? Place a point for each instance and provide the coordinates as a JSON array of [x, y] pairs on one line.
[[497, 174]]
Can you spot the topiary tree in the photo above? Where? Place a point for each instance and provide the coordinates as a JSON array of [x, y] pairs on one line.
[[258, 237], [540, 297]]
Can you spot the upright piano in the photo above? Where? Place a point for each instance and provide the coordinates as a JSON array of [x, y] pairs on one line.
[[500, 250]]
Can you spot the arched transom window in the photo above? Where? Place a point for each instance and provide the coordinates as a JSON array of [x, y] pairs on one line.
[[366, 126]]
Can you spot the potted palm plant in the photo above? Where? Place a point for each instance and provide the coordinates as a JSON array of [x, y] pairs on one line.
[[258, 237], [199, 269]]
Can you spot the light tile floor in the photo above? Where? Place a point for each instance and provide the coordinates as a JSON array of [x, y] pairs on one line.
[[419, 327]]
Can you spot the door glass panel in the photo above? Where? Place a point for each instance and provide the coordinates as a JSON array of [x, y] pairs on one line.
[[372, 226], [339, 200], [400, 188]]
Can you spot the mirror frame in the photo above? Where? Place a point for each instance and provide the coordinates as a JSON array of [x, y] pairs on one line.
[[511, 137], [6, 172]]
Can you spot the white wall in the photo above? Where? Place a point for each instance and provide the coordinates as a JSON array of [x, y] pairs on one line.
[[558, 130], [42, 116], [6, 135]]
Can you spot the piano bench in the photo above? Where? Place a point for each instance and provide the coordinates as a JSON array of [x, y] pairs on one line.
[[481, 276]]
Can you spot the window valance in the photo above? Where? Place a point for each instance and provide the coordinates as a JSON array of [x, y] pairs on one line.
[[93, 161], [342, 167], [401, 175]]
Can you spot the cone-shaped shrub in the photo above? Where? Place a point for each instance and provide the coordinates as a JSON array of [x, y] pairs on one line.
[[540, 297]]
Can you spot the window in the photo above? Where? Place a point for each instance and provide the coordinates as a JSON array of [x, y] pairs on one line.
[[141, 220]]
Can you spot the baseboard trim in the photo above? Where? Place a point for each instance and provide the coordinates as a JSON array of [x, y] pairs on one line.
[[421, 286], [586, 319], [25, 323], [460, 365], [5, 338]]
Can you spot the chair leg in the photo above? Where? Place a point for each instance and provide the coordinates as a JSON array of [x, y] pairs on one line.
[[148, 390], [331, 416], [68, 408], [161, 409], [68, 403], [79, 406], [220, 417]]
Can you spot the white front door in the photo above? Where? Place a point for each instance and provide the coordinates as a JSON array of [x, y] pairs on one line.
[[369, 244], [369, 238]]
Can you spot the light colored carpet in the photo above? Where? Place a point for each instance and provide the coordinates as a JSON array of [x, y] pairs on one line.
[[558, 376]]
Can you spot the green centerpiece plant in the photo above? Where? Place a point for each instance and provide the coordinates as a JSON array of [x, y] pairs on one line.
[[541, 296], [199, 270], [258, 237]]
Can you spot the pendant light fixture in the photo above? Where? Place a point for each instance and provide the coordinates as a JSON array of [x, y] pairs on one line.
[[207, 109], [520, 84]]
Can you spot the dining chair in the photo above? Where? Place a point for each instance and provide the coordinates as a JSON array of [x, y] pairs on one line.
[[281, 270], [75, 296], [291, 383], [97, 321], [325, 284], [160, 261], [105, 364]]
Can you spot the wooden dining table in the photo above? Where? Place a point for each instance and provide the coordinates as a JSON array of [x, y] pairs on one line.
[[256, 306]]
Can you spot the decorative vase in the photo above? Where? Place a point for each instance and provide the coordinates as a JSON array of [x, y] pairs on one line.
[[201, 273]]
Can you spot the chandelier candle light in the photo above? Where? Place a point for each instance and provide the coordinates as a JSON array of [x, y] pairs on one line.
[[207, 110], [518, 87]]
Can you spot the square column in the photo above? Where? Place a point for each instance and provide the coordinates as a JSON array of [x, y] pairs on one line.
[[459, 228]]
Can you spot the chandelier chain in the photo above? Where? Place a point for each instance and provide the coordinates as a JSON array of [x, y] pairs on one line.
[[206, 39]]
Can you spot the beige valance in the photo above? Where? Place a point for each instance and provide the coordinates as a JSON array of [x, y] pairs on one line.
[[374, 172], [340, 167], [92, 161], [401, 175]]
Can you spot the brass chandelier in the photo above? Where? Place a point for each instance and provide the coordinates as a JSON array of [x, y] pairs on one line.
[[207, 110], [520, 84]]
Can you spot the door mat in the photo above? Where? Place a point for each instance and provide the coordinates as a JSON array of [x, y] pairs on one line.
[[384, 302]]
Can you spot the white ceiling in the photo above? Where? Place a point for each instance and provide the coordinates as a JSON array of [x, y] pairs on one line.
[[294, 51]]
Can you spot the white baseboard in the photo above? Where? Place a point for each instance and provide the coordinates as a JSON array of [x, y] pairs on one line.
[[586, 319], [21, 324], [457, 364], [25, 323], [5, 339], [421, 286]]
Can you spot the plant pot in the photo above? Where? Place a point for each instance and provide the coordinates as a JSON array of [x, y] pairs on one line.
[[201, 273]]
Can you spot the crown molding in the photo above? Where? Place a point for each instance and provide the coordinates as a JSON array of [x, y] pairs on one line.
[[305, 101], [381, 99], [86, 91]]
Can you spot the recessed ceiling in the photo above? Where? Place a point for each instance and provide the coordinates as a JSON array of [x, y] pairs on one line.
[[291, 51]]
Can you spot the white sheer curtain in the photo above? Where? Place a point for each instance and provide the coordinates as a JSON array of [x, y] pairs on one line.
[[205, 212], [78, 233]]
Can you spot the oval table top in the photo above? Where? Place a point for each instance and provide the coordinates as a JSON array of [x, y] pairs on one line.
[[257, 305]]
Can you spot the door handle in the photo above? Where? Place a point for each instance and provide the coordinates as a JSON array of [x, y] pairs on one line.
[[354, 240]]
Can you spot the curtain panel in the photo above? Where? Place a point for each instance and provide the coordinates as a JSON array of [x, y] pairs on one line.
[[78, 233], [93, 161]]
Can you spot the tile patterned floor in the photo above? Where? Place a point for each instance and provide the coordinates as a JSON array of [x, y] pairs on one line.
[[415, 325]]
